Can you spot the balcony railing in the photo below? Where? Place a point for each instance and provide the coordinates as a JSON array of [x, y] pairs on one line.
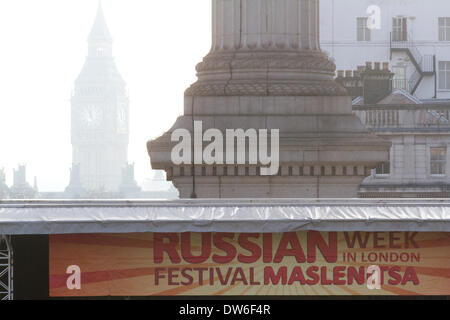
[[428, 64], [405, 117]]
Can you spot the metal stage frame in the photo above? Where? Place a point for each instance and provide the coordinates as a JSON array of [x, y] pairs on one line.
[[6, 268]]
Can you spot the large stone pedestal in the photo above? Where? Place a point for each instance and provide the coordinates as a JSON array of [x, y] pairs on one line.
[[266, 71], [325, 151]]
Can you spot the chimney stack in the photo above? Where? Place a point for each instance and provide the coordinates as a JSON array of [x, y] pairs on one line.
[[376, 82], [351, 80]]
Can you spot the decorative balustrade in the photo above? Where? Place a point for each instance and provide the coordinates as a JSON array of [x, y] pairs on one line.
[[405, 117], [382, 118]]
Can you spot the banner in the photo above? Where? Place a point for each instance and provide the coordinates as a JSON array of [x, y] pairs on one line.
[[214, 264]]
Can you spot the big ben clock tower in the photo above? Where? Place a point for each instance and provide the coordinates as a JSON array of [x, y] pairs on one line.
[[100, 114]]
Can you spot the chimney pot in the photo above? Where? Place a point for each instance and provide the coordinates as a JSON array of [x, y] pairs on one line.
[[368, 65], [340, 73], [385, 66], [348, 73], [377, 66]]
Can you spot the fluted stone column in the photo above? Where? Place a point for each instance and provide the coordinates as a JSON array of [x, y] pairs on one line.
[[281, 24], [265, 70], [266, 47]]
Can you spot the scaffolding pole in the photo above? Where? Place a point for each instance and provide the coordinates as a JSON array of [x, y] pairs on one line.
[[6, 268]]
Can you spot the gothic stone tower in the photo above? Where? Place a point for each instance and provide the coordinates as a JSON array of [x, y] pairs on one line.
[[100, 109], [265, 70]]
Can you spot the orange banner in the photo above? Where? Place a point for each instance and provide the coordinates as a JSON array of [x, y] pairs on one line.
[[302, 263]]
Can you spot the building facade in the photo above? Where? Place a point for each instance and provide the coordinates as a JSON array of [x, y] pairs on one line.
[[413, 35], [100, 116], [419, 129], [419, 163], [406, 100]]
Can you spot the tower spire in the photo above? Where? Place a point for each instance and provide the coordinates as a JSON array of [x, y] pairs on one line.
[[100, 32]]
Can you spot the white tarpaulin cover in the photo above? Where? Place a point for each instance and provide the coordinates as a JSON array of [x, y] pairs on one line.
[[259, 216]]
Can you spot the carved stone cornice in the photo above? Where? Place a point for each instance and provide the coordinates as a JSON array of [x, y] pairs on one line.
[[304, 61], [271, 88], [263, 73]]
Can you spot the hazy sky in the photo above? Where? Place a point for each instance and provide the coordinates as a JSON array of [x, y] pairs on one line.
[[43, 45]]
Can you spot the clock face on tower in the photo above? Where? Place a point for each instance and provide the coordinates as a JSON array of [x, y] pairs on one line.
[[121, 120], [91, 116]]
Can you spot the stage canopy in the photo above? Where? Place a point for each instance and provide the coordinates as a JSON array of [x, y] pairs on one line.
[[255, 216]]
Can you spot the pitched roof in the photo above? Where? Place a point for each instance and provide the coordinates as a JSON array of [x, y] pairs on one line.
[[400, 97]]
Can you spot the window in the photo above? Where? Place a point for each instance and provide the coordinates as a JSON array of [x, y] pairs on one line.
[[444, 75], [399, 29], [383, 169], [444, 29], [438, 160], [100, 52], [363, 31]]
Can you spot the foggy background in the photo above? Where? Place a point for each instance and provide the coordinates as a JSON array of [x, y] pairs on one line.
[[43, 46]]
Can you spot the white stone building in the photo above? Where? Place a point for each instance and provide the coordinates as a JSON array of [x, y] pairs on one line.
[[413, 35], [419, 163]]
